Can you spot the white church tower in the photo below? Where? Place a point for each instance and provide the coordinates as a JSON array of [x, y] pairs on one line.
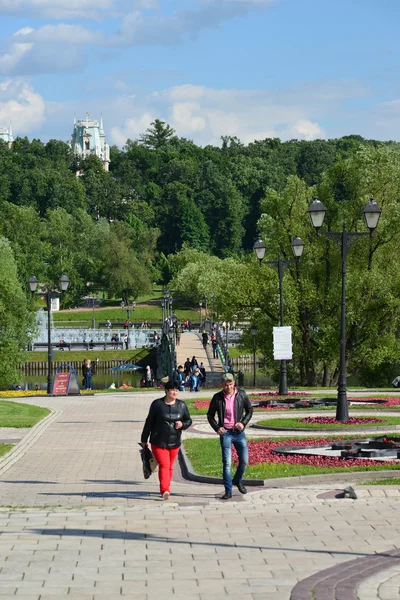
[[6, 135], [88, 138]]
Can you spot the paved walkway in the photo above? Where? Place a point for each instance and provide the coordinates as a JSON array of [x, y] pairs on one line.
[[191, 345], [78, 520]]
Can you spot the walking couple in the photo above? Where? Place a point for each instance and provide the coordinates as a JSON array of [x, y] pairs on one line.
[[229, 412]]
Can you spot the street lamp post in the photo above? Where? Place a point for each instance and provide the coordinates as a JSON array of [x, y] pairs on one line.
[[297, 246], [63, 283], [345, 240], [200, 304], [254, 333], [93, 305]]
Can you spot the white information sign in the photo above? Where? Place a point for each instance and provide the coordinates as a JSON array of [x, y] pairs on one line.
[[283, 343]]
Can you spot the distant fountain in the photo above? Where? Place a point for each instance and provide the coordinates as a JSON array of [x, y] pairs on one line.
[[138, 338]]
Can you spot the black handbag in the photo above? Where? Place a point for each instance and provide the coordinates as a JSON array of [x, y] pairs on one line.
[[149, 463]]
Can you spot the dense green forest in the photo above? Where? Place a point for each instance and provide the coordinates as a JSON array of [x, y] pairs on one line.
[[169, 211]]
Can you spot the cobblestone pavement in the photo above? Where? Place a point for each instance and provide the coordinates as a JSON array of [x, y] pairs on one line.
[[78, 520]]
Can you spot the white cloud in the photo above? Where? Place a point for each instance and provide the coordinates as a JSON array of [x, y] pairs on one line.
[[132, 129], [206, 114], [60, 34], [21, 105], [9, 60], [57, 9]]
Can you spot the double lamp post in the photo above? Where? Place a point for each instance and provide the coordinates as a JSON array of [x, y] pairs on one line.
[[344, 240], [259, 248]]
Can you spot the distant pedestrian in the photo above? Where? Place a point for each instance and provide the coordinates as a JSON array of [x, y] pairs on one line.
[[195, 380], [155, 338], [204, 337], [126, 341], [178, 334], [87, 373], [187, 367], [214, 345], [178, 377], [189, 325], [203, 374], [194, 364], [149, 377]]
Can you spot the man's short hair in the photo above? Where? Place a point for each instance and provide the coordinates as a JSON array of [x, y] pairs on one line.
[[180, 367], [171, 385], [227, 377]]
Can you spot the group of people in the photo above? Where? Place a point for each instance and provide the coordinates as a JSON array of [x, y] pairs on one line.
[[229, 412], [192, 374]]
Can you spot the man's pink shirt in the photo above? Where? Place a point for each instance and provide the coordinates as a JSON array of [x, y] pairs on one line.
[[230, 416]]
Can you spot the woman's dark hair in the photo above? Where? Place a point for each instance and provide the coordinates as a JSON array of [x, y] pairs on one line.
[[171, 385]]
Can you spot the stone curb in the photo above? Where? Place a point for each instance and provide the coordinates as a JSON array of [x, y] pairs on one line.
[[340, 582], [28, 441], [282, 482]]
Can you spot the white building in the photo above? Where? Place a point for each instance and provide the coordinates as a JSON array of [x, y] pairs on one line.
[[6, 135], [88, 138]]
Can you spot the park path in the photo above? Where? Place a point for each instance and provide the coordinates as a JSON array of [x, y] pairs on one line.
[[78, 520], [191, 345]]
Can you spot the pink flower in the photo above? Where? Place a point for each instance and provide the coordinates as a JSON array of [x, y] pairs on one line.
[[332, 420]]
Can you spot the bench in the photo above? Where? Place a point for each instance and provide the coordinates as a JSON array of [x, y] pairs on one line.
[[113, 345], [87, 345]]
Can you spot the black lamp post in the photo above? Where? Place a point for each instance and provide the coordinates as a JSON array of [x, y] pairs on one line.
[[200, 304], [254, 333], [259, 248], [48, 292], [345, 240]]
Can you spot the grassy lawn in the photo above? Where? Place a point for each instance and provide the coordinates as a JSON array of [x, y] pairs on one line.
[[80, 355], [4, 448], [394, 481], [205, 456], [140, 314], [14, 414], [294, 423]]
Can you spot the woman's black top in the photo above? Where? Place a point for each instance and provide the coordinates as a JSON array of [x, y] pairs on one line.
[[160, 423]]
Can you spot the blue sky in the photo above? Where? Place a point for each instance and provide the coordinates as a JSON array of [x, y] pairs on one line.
[[302, 69]]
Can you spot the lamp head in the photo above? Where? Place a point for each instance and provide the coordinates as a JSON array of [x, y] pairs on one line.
[[33, 283], [64, 283], [259, 250], [372, 214], [297, 246], [316, 212]]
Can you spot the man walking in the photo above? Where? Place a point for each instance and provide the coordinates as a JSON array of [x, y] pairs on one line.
[[234, 411]]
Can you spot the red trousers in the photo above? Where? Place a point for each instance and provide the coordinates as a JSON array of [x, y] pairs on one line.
[[165, 458]]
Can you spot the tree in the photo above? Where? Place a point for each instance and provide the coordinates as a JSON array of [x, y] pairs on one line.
[[157, 135], [15, 320]]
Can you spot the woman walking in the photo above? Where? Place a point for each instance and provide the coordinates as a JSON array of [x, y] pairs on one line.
[[166, 420]]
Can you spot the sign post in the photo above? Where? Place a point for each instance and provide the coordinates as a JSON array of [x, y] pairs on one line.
[[283, 343], [63, 380]]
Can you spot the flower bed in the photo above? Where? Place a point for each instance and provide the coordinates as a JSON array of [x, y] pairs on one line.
[[261, 451], [332, 420], [264, 395]]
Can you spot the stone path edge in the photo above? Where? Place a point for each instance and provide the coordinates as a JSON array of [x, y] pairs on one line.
[[282, 482], [340, 582], [20, 449]]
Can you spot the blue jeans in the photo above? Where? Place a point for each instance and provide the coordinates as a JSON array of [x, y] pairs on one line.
[[238, 439]]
